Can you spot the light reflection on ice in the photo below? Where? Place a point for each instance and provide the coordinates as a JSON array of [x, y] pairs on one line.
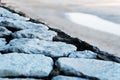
[[94, 22]]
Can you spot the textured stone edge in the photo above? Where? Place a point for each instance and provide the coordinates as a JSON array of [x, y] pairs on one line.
[[80, 44]]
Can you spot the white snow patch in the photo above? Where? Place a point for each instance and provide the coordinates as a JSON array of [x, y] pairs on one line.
[[94, 22]]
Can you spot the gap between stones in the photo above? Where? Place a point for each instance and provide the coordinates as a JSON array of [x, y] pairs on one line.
[[63, 37]]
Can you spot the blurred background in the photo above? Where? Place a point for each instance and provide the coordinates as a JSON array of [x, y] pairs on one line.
[[94, 21]]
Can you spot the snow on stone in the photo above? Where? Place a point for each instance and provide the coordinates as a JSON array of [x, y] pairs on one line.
[[19, 25], [83, 54], [36, 46], [34, 65], [60, 77], [103, 70], [8, 14], [35, 33], [4, 32]]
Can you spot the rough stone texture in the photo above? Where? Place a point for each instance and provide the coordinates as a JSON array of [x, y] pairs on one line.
[[8, 14], [20, 25], [36, 46], [82, 45], [18, 79], [4, 32], [2, 42], [103, 70], [15, 64], [19, 66], [60, 77], [107, 56], [35, 33], [83, 54]]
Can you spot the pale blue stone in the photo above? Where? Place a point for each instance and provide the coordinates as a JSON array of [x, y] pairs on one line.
[[35, 33], [14, 16], [60, 77], [83, 54], [19, 79], [36, 46], [4, 32], [15, 64], [103, 70], [2, 42], [20, 25]]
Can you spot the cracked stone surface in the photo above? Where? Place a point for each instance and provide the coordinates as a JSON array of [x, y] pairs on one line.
[[60, 77], [83, 54], [35, 33], [2, 42], [36, 46], [8, 14], [4, 32], [20, 25], [31, 50], [19, 79], [103, 70], [15, 64]]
